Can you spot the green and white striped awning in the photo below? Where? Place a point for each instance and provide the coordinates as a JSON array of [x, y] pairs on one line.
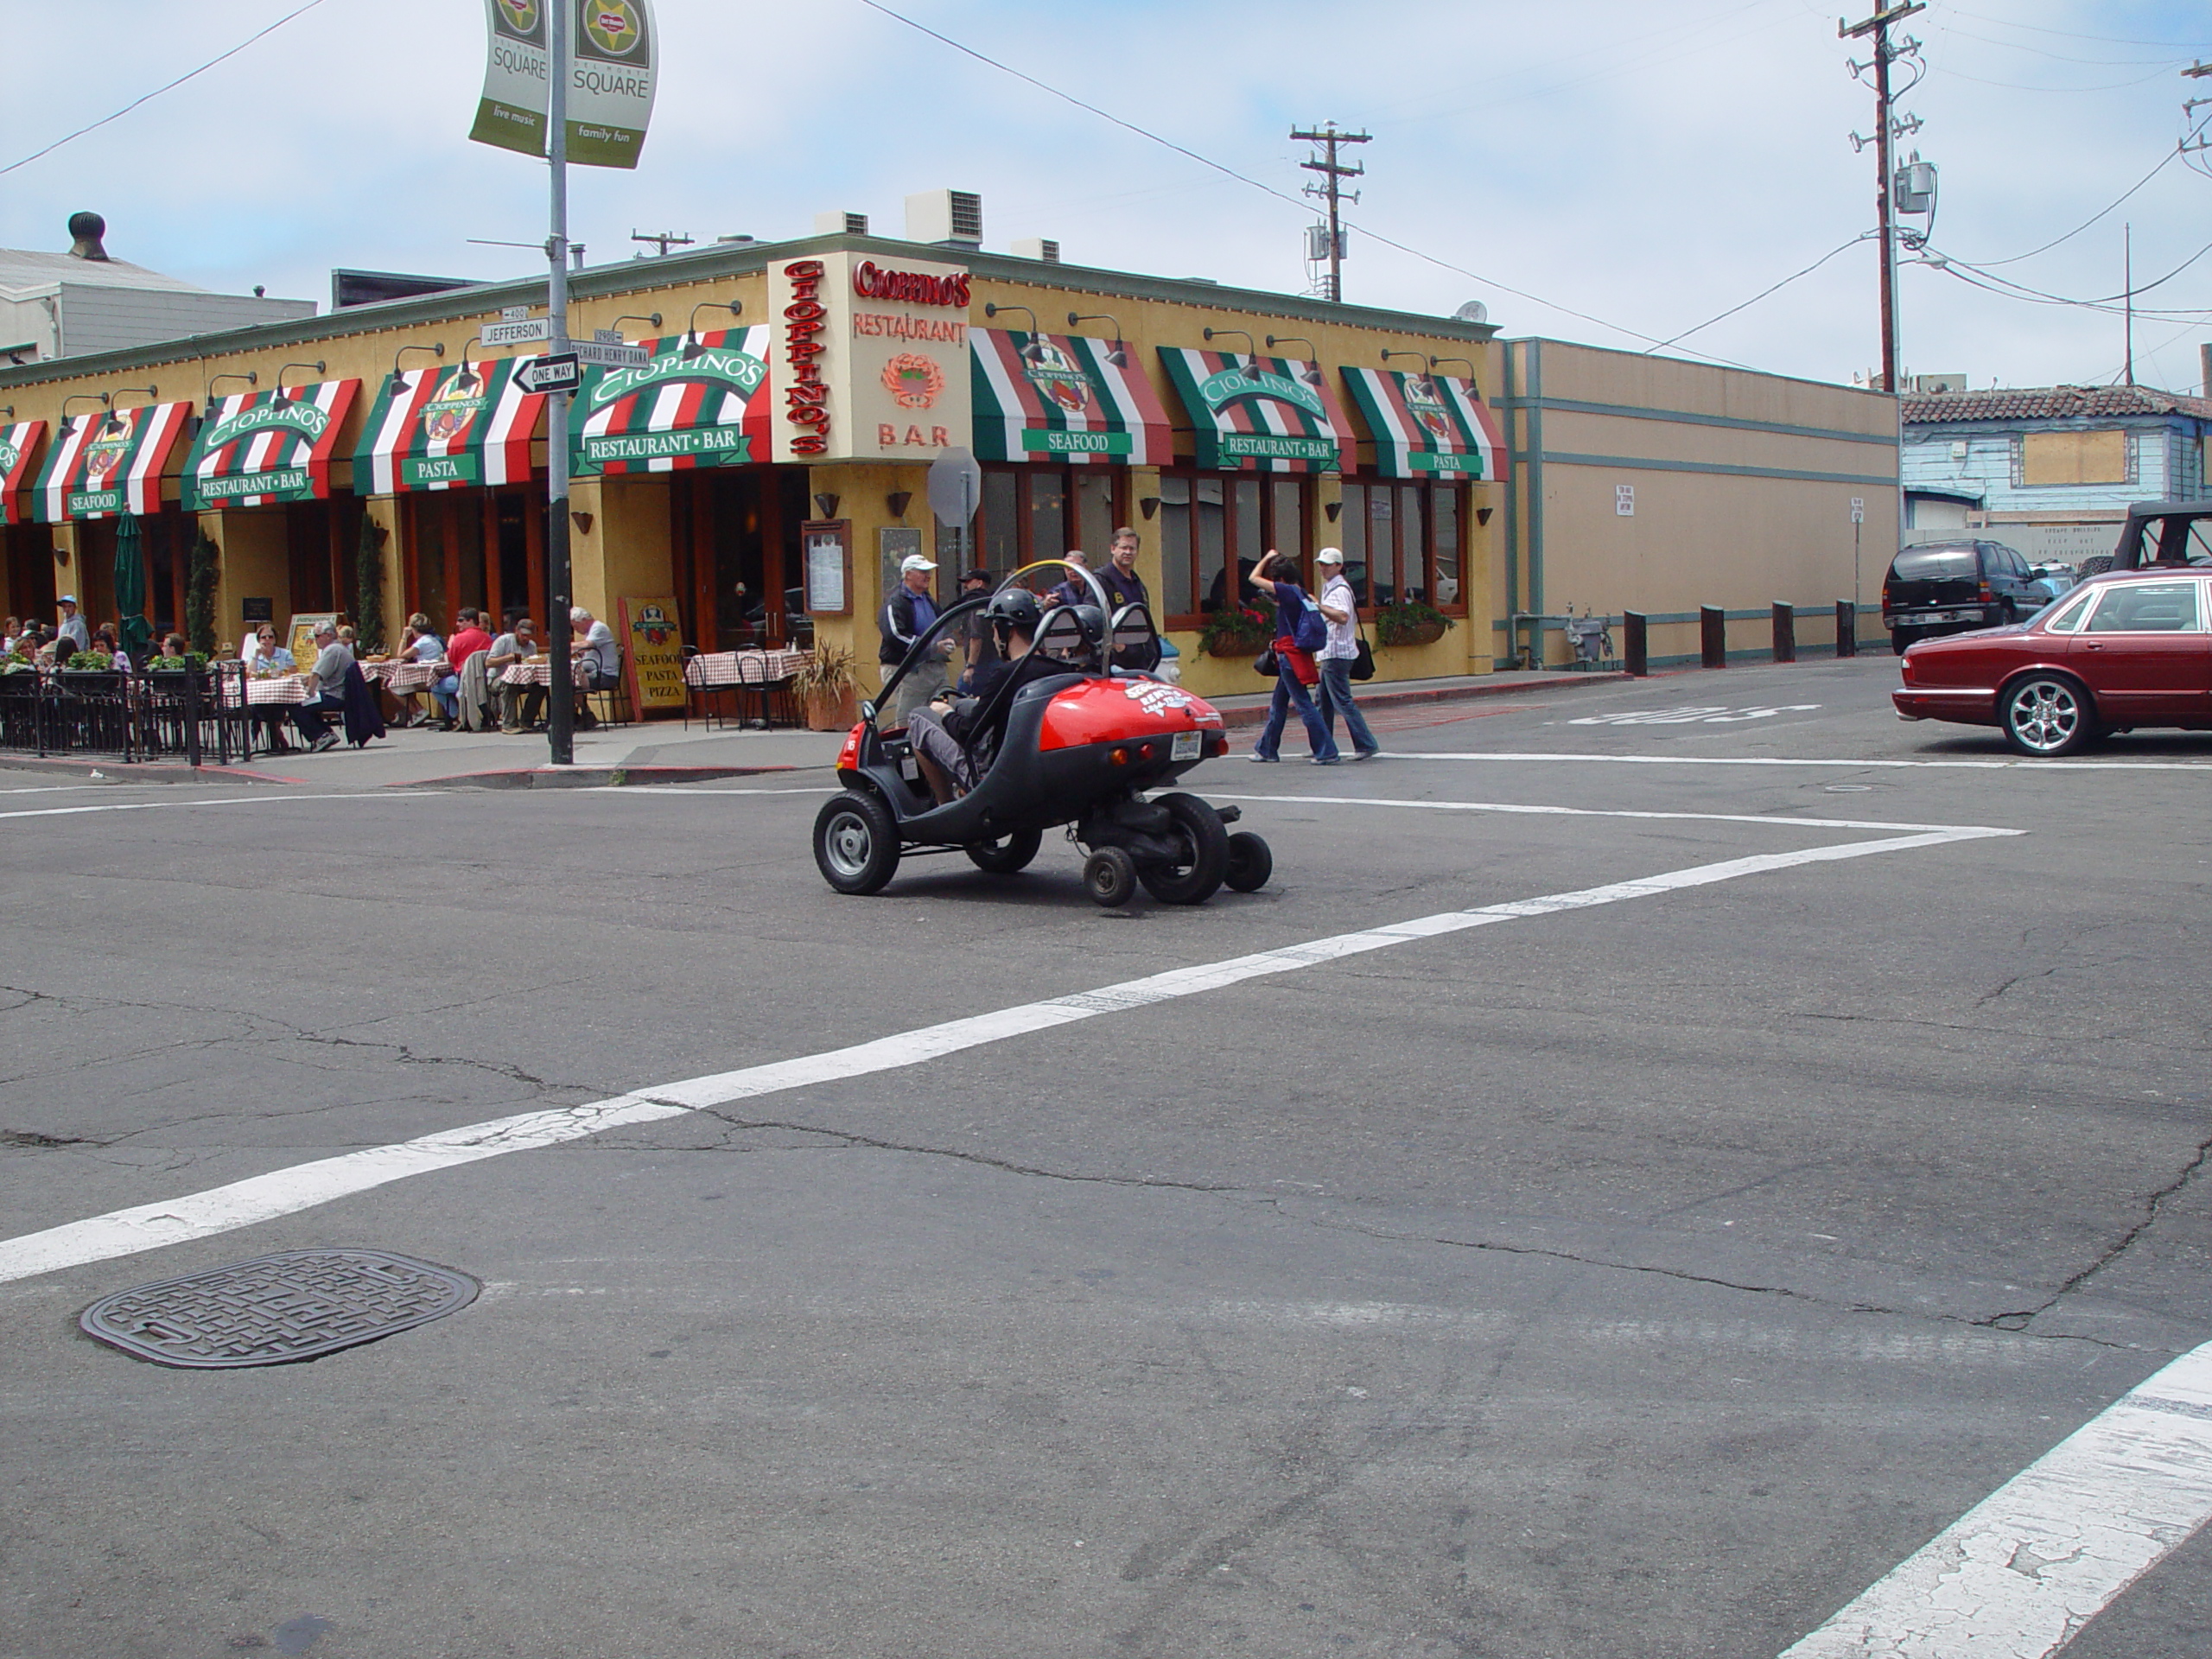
[[1065, 398], [1260, 413], [256, 448], [1425, 425]]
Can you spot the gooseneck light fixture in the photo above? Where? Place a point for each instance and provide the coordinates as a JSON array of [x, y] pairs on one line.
[[651, 320], [99, 397], [469, 379], [398, 383], [1116, 354], [1473, 384], [249, 377], [692, 344], [116, 423], [1311, 374], [1032, 351], [283, 396]]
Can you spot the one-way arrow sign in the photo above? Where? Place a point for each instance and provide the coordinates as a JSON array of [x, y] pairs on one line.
[[551, 373]]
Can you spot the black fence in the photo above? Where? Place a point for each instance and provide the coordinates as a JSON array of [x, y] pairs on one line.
[[200, 716]]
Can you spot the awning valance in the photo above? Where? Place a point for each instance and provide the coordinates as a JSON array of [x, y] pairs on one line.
[[110, 462], [701, 402], [1260, 413], [18, 466], [1425, 425], [256, 448], [434, 431], [1063, 398]]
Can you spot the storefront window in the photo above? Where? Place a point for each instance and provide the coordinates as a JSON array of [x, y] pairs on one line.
[[1444, 507], [1002, 539], [1213, 528], [1094, 512], [1404, 541], [1351, 536], [1040, 512], [1209, 514], [1174, 532], [1048, 516]]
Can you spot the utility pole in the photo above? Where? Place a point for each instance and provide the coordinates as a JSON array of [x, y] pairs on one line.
[[2127, 284], [664, 241], [1879, 27], [560, 718], [1330, 190]]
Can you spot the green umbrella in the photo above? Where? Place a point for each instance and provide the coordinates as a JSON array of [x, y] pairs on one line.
[[134, 630]]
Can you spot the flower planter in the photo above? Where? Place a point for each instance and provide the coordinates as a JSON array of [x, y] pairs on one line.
[[827, 714], [1417, 633]]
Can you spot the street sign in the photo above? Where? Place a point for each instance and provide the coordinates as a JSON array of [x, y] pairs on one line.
[[559, 374], [956, 487], [607, 336], [526, 332], [611, 357], [514, 313], [1858, 509]]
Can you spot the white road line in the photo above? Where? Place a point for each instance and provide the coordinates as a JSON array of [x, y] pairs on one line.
[[1771, 819], [239, 800], [2018, 1575], [67, 788], [281, 1192], [2021, 765], [702, 788]]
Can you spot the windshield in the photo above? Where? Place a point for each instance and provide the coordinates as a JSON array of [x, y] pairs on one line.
[[1934, 565]]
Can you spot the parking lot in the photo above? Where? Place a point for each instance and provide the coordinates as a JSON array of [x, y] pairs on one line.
[[1654, 1158]]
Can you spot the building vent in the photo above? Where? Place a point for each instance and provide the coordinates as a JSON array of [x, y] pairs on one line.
[[947, 217], [841, 224], [1924, 383], [1037, 247]]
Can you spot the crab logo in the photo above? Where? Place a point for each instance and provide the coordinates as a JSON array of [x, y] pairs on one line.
[[913, 380], [1155, 698]]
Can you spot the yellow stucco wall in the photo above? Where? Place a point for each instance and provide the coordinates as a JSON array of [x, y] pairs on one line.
[[254, 558]]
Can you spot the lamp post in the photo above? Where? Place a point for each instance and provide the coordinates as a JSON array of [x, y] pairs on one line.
[[560, 716]]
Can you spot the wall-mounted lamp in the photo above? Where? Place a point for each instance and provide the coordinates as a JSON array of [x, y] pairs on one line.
[[897, 501], [1117, 354], [581, 521], [1473, 385], [826, 505], [1311, 374], [116, 423], [469, 379], [398, 384], [7, 411], [1482, 514], [1250, 350], [1032, 351], [282, 396], [1334, 509], [1147, 505], [1420, 358], [651, 321], [692, 345], [249, 377], [99, 397]]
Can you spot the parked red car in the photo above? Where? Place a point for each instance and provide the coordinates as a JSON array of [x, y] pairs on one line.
[[2129, 649]]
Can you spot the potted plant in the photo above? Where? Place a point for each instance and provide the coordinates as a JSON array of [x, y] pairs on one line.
[[89, 661], [827, 689], [1409, 622], [1238, 630]]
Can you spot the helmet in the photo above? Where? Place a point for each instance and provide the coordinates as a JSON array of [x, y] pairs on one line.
[[1015, 608]]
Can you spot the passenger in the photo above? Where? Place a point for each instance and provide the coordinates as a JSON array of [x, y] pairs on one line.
[[953, 758], [1075, 590]]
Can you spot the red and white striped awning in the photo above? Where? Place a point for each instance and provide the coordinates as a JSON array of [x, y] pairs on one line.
[[18, 466], [433, 429], [110, 462]]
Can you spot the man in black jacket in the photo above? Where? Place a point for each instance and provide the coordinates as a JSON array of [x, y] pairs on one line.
[[905, 617]]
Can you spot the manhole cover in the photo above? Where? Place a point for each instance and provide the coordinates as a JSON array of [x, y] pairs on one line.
[[275, 1309]]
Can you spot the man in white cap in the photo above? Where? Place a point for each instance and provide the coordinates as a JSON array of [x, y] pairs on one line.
[[1340, 610], [72, 625], [905, 617]]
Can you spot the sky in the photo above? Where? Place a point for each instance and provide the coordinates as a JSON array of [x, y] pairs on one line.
[[1598, 170]]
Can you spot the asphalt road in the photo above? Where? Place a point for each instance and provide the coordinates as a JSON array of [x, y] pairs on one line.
[[1649, 1272]]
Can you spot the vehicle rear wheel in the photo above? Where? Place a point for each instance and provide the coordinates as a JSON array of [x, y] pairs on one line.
[[1008, 855], [1194, 875], [1109, 876], [1900, 638], [2047, 715], [1251, 862], [856, 843]]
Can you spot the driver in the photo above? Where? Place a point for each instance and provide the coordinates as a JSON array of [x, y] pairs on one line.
[[941, 743]]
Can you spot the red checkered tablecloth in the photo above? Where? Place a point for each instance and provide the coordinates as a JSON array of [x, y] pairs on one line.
[[744, 667], [537, 671], [405, 677], [278, 688]]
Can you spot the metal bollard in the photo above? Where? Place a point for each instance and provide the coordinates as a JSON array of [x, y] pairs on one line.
[[1847, 628], [1785, 632], [192, 714], [1713, 635], [1636, 655]]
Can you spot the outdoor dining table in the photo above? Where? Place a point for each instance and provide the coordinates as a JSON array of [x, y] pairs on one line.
[[739, 671], [405, 675]]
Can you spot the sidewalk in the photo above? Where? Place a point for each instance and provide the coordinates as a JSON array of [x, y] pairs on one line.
[[662, 752]]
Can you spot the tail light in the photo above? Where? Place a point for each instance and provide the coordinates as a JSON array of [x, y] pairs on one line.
[[1983, 594]]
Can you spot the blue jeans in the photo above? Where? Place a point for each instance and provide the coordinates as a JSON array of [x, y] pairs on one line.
[[1291, 692], [1336, 696], [446, 691]]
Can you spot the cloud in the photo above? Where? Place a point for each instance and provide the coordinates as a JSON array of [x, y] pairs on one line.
[[1650, 167]]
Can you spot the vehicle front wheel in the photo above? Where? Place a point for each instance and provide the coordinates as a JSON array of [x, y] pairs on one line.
[[2048, 714], [856, 843], [1251, 862], [1109, 876], [1008, 855], [1194, 875]]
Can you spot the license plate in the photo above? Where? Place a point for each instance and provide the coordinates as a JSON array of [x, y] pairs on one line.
[[1186, 746]]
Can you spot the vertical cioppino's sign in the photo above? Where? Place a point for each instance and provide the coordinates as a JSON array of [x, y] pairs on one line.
[[870, 360], [610, 91]]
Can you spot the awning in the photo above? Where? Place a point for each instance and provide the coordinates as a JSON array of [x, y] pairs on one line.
[[701, 402], [439, 432], [1260, 413], [18, 452], [1425, 425], [107, 462], [256, 448], [1065, 398]]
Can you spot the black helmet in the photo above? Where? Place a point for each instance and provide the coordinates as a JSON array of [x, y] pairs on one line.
[[1015, 608]]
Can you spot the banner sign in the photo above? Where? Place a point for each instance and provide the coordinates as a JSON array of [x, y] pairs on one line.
[[610, 91]]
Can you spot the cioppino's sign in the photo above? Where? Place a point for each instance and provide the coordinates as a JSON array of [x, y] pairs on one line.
[[870, 360], [872, 282]]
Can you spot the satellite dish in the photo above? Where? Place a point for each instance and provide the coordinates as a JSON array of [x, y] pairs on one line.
[[1472, 311]]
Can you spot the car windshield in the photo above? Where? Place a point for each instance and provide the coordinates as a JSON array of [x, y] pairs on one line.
[[1934, 564]]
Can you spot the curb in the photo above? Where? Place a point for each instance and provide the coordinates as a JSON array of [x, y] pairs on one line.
[[1255, 714], [139, 771], [588, 776]]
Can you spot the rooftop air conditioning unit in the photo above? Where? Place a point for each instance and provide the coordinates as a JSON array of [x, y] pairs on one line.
[[1924, 383], [1037, 247], [841, 224], [950, 218]]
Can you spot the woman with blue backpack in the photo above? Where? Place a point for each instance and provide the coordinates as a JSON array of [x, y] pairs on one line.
[[1300, 630]]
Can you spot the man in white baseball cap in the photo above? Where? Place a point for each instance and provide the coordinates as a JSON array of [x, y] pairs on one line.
[[905, 617], [72, 625], [1340, 610]]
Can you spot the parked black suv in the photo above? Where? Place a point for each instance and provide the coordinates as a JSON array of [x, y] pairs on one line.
[[1954, 587]]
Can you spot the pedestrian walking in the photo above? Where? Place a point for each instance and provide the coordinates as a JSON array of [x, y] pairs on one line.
[[1340, 609], [1300, 630]]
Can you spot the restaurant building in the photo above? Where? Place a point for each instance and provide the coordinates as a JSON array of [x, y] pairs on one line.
[[758, 474]]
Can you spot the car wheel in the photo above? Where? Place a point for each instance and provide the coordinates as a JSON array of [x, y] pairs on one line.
[[1007, 856], [1109, 876], [856, 843], [1194, 875], [1900, 638], [2047, 715], [1251, 862]]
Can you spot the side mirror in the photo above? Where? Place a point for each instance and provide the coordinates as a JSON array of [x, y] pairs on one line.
[[867, 712]]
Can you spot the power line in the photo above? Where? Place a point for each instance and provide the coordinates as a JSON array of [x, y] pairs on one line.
[[158, 91], [1863, 236], [2071, 35], [2163, 162]]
